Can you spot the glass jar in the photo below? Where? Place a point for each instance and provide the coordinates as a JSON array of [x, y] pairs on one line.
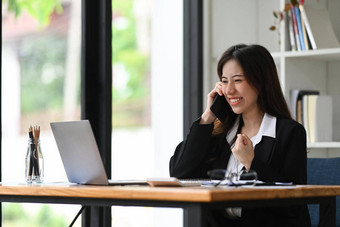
[[34, 169]]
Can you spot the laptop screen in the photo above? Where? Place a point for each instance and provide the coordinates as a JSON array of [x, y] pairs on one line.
[[79, 152]]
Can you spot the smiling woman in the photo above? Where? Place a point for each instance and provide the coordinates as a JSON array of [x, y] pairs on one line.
[[241, 96], [258, 135]]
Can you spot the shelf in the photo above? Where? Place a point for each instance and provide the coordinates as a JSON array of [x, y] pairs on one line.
[[306, 70], [332, 54], [323, 145]]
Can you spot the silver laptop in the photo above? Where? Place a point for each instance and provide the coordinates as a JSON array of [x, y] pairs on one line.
[[80, 154]]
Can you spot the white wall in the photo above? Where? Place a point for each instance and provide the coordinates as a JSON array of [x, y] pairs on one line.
[[230, 22]]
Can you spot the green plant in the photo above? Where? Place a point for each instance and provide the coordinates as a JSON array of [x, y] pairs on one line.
[[130, 91], [279, 17], [42, 75], [40, 10], [15, 215]]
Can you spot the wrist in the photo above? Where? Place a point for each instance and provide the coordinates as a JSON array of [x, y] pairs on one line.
[[248, 166], [207, 118]]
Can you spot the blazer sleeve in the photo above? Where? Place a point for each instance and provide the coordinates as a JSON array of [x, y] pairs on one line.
[[190, 155], [287, 161]]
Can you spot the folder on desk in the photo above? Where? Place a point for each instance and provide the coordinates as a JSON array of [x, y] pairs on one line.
[[174, 182]]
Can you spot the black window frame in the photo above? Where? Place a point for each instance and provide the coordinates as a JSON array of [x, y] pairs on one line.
[[192, 62], [96, 89]]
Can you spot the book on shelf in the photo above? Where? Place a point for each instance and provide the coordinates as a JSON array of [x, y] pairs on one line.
[[296, 30], [312, 28], [307, 27], [296, 102], [318, 117], [299, 25], [304, 33], [305, 115], [290, 28]]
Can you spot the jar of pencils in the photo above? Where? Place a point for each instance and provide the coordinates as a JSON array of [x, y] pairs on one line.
[[34, 169]]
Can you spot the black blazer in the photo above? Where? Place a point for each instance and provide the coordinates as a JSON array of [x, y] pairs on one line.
[[283, 159]]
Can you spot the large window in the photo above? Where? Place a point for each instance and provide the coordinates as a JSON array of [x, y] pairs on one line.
[[131, 101], [40, 84], [147, 45]]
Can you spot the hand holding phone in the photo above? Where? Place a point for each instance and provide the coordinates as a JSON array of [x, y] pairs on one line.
[[220, 107]]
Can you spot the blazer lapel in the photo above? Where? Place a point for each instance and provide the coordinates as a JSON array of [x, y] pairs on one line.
[[223, 159], [264, 149]]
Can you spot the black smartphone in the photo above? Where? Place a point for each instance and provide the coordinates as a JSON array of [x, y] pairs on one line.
[[220, 107]]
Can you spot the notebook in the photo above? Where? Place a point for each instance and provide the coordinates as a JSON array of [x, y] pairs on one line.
[[80, 154]]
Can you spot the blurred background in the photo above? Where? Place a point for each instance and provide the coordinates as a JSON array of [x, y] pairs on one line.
[[41, 46]]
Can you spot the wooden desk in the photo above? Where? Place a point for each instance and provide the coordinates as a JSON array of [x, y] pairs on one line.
[[194, 200]]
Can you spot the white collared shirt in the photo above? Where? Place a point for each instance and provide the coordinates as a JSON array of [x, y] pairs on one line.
[[267, 128]]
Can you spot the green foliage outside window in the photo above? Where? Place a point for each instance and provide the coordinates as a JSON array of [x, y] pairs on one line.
[[38, 9], [14, 215], [42, 73], [130, 103], [46, 54]]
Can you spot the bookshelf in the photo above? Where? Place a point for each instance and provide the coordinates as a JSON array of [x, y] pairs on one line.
[[330, 54], [228, 22], [323, 145]]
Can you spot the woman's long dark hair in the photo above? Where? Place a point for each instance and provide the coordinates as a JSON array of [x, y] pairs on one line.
[[260, 72]]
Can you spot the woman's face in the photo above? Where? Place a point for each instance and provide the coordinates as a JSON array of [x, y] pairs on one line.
[[241, 96]]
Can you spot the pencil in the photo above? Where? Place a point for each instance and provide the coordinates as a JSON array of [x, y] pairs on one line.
[[32, 146], [36, 131]]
